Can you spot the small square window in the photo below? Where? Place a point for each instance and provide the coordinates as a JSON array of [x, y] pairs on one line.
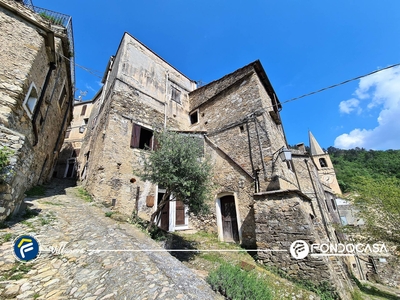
[[86, 121], [241, 128], [176, 95], [194, 117]]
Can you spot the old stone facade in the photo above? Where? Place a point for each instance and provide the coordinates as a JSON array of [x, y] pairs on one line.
[[66, 166], [36, 88], [261, 199]]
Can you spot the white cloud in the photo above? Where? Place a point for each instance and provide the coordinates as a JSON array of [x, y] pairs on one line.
[[348, 106], [381, 91]]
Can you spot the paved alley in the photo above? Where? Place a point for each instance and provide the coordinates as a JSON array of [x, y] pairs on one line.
[[74, 228]]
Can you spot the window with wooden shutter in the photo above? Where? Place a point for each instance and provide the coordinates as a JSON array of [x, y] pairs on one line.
[[176, 95], [135, 137], [141, 137]]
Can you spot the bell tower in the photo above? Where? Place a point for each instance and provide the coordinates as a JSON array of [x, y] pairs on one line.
[[325, 168]]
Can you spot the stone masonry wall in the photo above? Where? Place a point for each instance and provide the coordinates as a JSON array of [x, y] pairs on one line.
[[280, 220], [25, 60], [283, 218]]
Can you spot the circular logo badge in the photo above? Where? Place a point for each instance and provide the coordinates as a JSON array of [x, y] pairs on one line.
[[299, 249], [26, 248]]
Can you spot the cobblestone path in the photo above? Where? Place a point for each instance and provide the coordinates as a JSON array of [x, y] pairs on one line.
[[75, 227]]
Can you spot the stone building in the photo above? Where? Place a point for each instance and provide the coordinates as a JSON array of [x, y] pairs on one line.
[[261, 198], [36, 92], [66, 166]]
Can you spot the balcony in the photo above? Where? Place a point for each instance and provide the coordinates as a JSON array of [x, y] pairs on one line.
[[58, 19]]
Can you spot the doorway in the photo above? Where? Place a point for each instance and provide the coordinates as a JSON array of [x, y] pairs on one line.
[[229, 219]]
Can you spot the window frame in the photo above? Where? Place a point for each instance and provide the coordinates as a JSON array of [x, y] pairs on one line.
[[28, 97], [137, 135], [176, 94], [196, 112]]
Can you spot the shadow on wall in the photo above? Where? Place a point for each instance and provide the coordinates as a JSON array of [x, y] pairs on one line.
[[248, 230]]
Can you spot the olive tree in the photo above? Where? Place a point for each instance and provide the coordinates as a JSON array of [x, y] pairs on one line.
[[178, 166]]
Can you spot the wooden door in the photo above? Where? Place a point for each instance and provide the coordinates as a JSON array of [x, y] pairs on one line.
[[180, 213], [229, 219], [164, 214]]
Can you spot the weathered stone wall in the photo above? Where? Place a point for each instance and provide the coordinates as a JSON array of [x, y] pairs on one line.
[[73, 143], [137, 91], [281, 219], [26, 60], [237, 119]]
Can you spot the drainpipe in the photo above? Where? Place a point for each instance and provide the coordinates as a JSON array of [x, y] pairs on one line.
[[261, 150], [69, 108], [40, 101], [52, 94], [166, 98], [316, 196]]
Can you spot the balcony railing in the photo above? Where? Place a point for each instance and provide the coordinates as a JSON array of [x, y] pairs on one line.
[[59, 19]]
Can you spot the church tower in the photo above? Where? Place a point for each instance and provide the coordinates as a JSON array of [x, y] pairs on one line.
[[324, 165]]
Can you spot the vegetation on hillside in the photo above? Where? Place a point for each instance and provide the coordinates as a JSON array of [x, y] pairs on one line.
[[373, 177]]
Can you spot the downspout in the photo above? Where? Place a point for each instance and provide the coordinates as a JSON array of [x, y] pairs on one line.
[[40, 101], [261, 150], [255, 173], [316, 196], [52, 94], [69, 108], [166, 98]]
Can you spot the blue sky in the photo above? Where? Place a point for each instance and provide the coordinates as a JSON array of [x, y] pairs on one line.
[[303, 46]]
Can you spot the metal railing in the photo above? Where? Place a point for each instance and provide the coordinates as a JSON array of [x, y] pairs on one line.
[[59, 19]]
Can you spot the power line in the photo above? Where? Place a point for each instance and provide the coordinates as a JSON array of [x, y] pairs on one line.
[[338, 84], [91, 71]]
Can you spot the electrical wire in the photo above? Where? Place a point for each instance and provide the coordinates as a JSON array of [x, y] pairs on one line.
[[338, 84], [93, 72]]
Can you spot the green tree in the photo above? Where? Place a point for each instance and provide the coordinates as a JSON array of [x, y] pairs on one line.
[[179, 167], [379, 204]]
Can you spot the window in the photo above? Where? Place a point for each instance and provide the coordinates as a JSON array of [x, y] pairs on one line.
[[75, 152], [86, 121], [241, 128], [142, 138], [67, 133], [31, 99], [176, 95], [323, 163], [62, 96], [83, 111], [194, 117], [333, 203]]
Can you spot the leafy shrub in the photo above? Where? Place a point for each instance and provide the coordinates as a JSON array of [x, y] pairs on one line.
[[5, 154], [235, 283]]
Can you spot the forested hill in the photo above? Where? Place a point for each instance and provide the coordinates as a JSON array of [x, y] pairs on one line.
[[376, 165], [374, 179]]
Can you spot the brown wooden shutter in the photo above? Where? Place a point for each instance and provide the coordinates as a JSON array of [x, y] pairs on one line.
[[83, 111], [135, 137], [156, 145], [180, 213]]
